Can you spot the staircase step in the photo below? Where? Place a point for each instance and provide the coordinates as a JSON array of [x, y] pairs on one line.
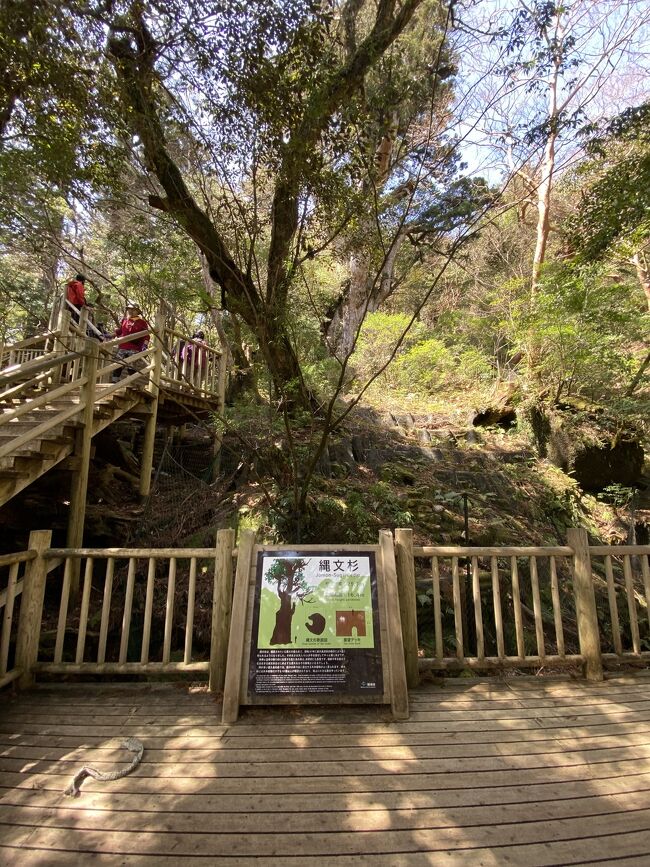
[[18, 427], [9, 474], [52, 447], [24, 459]]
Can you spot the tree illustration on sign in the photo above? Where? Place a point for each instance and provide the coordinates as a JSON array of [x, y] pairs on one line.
[[288, 575]]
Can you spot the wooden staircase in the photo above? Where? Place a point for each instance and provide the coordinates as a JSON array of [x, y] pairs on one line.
[[28, 462], [56, 393]]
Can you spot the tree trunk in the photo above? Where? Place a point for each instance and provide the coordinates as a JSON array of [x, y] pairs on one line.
[[283, 619], [362, 295], [643, 273], [244, 377], [544, 189]]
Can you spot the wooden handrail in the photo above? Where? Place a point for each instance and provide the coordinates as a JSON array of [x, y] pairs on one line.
[[184, 337], [51, 359], [34, 403], [138, 335], [30, 341], [619, 550], [125, 382], [18, 557], [88, 323], [123, 362], [491, 551], [37, 432], [127, 553]]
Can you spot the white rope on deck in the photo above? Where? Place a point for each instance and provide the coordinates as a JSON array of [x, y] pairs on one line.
[[131, 744]]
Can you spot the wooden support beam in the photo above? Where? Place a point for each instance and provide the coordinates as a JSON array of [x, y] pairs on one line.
[[153, 387], [31, 607], [399, 696], [407, 603], [586, 614], [62, 343], [222, 382], [83, 444], [231, 692], [221, 608]]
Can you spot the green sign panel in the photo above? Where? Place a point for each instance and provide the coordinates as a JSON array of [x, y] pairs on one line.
[[315, 624]]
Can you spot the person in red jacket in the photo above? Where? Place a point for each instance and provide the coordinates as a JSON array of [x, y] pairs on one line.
[[75, 292], [133, 323]]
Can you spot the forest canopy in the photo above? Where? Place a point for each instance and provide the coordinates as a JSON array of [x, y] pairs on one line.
[[419, 195]]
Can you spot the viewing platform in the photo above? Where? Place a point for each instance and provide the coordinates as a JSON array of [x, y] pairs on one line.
[[518, 770]]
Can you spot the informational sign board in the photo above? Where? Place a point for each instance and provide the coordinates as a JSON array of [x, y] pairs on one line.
[[315, 627]]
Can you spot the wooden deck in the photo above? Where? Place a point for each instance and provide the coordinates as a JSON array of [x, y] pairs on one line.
[[485, 772]]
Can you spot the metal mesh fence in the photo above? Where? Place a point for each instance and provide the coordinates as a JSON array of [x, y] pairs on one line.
[[185, 505]]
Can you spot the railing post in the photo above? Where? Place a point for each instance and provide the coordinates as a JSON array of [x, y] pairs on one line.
[[586, 613], [397, 672], [83, 320], [221, 608], [61, 344], [31, 607], [407, 603], [83, 444], [222, 380], [153, 387]]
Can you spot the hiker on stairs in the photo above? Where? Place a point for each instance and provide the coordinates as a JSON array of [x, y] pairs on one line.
[[132, 323]]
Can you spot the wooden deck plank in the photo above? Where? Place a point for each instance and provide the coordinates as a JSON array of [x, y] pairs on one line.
[[449, 742], [631, 849], [324, 785], [378, 818], [329, 729], [287, 843], [498, 704], [521, 771], [431, 712], [466, 691], [112, 751], [376, 764], [105, 797]]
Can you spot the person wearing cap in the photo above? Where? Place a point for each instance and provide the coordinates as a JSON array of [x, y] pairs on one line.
[[75, 292], [133, 323]]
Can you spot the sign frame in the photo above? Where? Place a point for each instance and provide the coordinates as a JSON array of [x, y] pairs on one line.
[[236, 688]]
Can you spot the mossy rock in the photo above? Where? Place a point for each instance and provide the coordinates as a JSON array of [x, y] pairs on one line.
[[588, 445], [619, 462], [398, 474]]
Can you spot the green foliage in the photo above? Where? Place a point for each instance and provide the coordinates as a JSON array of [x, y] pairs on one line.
[[584, 326], [431, 365], [377, 340], [424, 363], [426, 367], [25, 307], [617, 495], [614, 204]]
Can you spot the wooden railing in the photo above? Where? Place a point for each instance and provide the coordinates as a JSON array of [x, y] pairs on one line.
[[524, 607], [492, 608], [190, 363], [24, 351], [625, 616], [58, 374], [12, 571], [186, 364], [100, 634]]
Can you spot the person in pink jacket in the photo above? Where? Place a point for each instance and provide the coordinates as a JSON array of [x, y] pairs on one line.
[[133, 323]]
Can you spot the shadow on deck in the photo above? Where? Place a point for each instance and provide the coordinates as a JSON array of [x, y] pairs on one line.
[[486, 771]]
